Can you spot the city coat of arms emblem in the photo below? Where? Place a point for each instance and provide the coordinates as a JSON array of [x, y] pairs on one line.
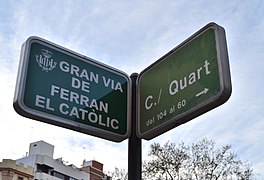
[[45, 60]]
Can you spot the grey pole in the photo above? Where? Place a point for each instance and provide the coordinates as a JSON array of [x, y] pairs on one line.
[[134, 143]]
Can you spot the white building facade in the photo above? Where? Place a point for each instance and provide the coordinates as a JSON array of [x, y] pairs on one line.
[[46, 168]]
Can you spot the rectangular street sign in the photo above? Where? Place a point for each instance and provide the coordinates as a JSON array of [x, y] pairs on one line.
[[190, 80], [60, 87]]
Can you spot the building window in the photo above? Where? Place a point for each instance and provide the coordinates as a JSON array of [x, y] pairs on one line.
[[58, 175], [43, 168], [20, 178]]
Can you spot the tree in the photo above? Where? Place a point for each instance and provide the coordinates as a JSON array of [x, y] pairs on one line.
[[119, 174], [201, 161]]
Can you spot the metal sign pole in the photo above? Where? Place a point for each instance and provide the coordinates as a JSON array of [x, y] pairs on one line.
[[134, 143]]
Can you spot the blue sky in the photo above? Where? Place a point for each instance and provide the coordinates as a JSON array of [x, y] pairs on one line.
[[129, 36]]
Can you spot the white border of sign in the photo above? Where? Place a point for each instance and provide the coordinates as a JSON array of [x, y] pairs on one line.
[[220, 98], [25, 111]]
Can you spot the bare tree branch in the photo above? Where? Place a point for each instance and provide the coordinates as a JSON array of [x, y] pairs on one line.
[[201, 161]]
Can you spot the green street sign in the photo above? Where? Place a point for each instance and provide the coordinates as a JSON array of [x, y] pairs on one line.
[[190, 80], [63, 88]]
